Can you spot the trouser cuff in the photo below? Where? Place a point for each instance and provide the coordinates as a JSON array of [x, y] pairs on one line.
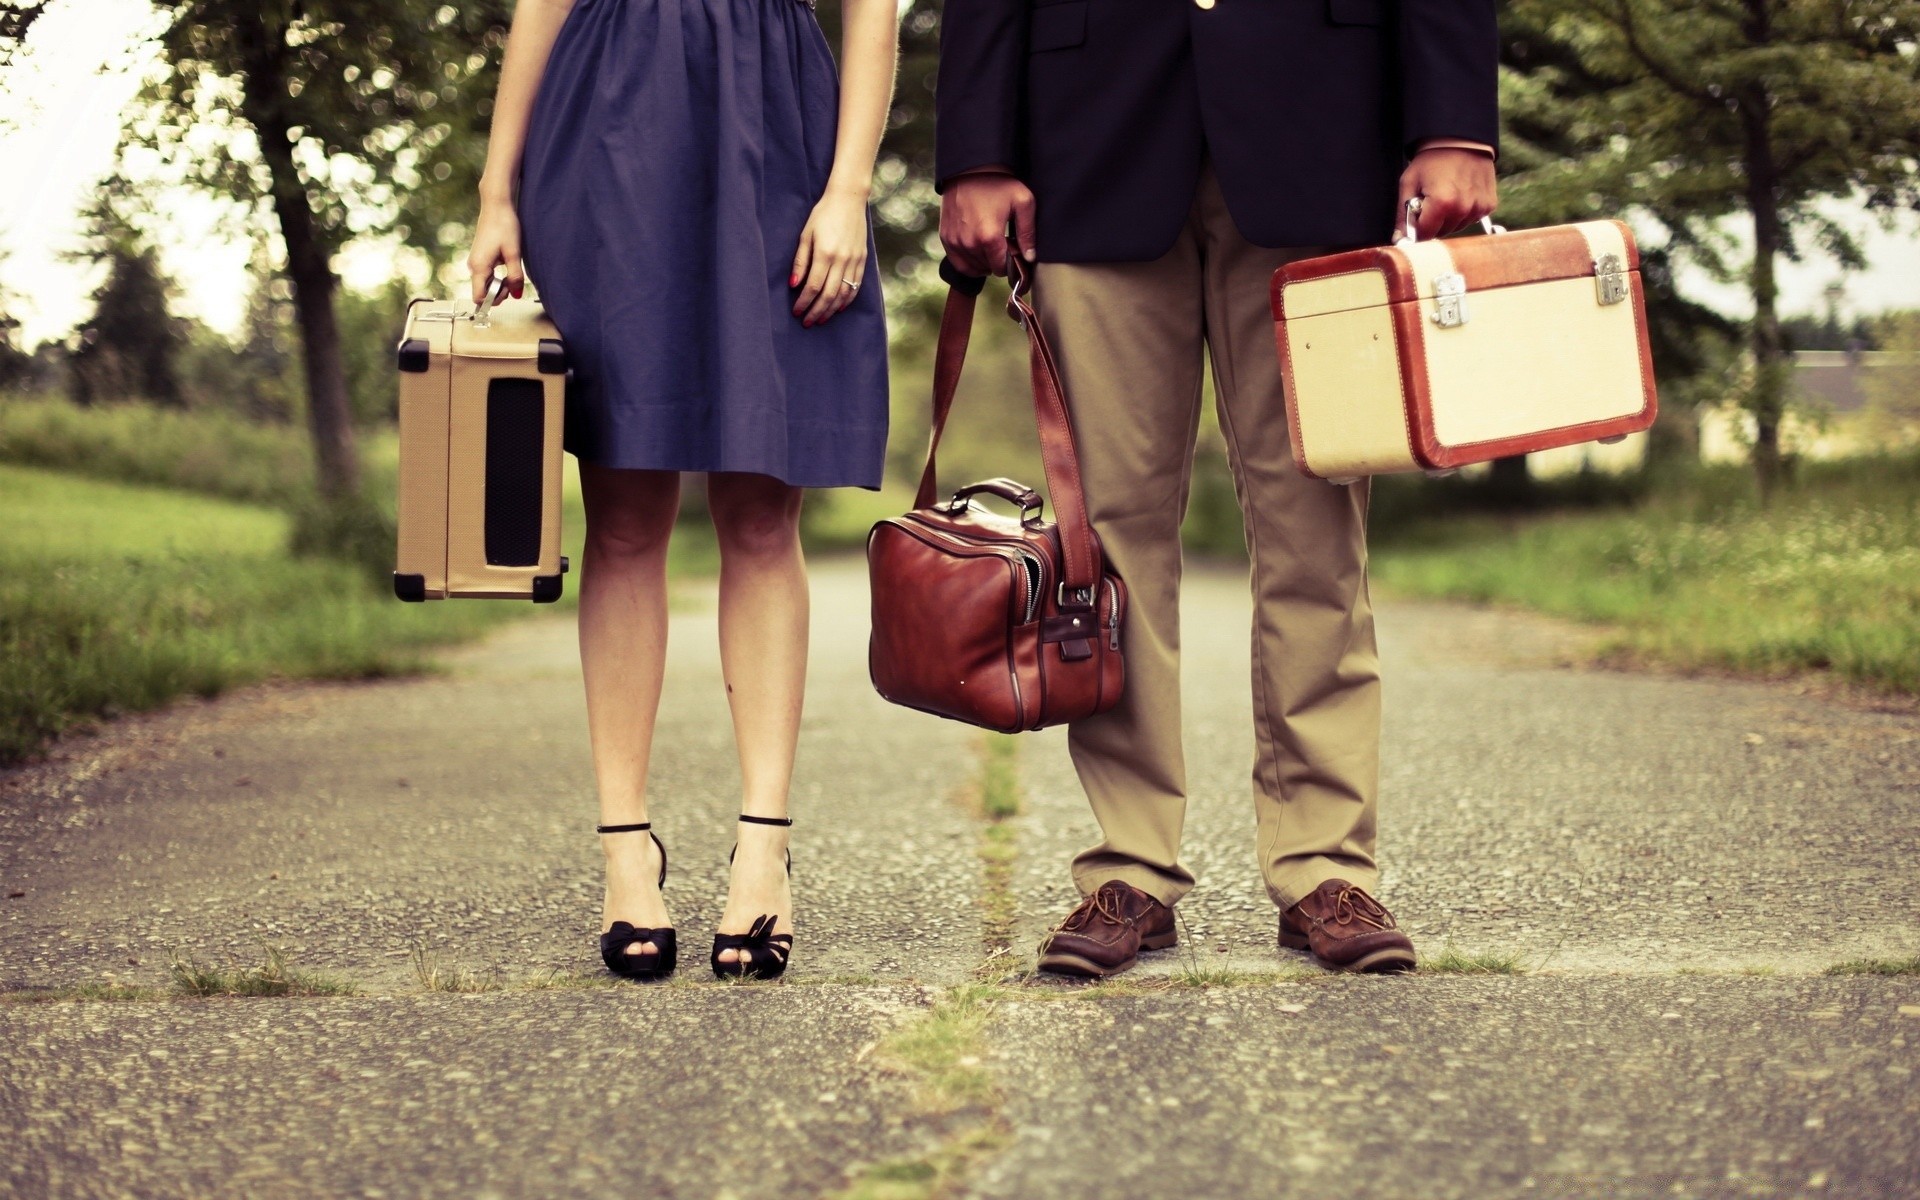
[[1296, 878]]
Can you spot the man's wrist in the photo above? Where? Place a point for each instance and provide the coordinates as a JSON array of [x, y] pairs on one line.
[[1446, 143]]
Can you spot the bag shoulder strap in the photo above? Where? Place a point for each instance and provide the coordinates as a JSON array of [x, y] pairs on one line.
[[1059, 458]]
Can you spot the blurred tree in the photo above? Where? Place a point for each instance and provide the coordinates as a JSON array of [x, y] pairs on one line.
[[328, 114], [127, 347], [1828, 332], [905, 208], [1696, 111]]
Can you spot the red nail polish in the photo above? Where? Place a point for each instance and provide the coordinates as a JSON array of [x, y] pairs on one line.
[[793, 280]]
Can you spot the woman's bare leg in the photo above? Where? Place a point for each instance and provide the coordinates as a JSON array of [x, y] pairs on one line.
[[763, 652], [623, 650]]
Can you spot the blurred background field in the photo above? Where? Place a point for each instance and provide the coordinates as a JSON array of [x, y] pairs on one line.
[[197, 444]]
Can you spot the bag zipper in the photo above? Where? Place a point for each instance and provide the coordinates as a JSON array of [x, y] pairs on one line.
[[1029, 573], [1032, 573], [1031, 561], [1113, 614]]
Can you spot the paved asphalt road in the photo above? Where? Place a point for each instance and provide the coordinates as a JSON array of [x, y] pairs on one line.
[[1673, 861]]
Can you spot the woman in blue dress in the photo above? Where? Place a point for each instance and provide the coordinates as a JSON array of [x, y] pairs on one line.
[[686, 182]]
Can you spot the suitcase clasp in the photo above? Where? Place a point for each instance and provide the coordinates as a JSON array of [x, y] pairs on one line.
[[1450, 300], [1610, 279]]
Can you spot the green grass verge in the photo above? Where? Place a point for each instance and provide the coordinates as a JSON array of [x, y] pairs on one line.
[[212, 453], [117, 598], [1877, 966], [1700, 576]]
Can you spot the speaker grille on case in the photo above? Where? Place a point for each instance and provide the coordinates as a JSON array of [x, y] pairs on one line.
[[516, 462]]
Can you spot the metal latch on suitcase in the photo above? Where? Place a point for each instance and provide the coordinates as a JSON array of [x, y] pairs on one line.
[[1450, 300], [1610, 279]]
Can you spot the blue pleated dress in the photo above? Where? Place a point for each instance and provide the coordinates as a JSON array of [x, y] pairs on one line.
[[675, 152]]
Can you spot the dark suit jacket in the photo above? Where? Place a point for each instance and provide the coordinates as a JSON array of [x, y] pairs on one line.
[[1308, 109]]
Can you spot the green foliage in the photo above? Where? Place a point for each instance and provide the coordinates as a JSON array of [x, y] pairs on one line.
[[1701, 575], [1692, 113], [116, 598], [382, 102]]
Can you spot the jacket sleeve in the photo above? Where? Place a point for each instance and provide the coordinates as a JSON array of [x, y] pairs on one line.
[[979, 100], [1449, 62]]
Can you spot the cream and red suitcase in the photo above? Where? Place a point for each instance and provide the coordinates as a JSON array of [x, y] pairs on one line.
[[482, 396], [1431, 355]]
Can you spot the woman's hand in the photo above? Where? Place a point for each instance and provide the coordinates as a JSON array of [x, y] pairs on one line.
[[496, 242], [832, 260]]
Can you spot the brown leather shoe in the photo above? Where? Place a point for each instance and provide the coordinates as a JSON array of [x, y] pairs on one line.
[[1347, 930], [1107, 932]]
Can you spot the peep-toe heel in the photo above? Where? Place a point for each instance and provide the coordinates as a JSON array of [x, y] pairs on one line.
[[620, 935], [764, 953]]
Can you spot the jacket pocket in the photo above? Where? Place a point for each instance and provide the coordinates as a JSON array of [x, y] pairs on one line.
[[1057, 26], [1357, 12]]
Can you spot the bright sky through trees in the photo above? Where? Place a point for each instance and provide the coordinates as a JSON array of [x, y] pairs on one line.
[[59, 107]]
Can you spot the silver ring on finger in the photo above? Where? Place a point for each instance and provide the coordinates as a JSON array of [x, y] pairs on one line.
[[853, 285]]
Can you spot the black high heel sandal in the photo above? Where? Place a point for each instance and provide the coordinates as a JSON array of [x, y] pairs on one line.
[[615, 941], [769, 951]]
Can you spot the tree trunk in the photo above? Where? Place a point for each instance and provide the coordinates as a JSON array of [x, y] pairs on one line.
[[309, 266], [1510, 481], [1768, 400]]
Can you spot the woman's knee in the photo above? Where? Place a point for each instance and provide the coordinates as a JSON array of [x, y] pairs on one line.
[[756, 517]]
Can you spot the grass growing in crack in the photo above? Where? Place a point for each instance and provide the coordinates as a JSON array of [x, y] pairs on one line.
[[996, 800], [1000, 778], [1451, 961], [1877, 966], [943, 1053], [273, 977], [1194, 976], [436, 975]]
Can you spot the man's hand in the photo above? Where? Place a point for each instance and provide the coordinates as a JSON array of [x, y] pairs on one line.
[[974, 212], [1456, 188]]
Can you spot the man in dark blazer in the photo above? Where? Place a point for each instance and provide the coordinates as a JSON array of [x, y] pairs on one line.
[[1159, 159]]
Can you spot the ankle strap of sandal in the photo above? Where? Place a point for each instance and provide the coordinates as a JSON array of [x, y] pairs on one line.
[[788, 821], [642, 827]]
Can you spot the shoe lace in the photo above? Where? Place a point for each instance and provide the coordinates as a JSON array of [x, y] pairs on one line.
[[1104, 902], [1353, 906]]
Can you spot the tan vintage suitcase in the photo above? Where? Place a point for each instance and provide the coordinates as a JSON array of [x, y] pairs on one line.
[[1431, 355], [482, 395]]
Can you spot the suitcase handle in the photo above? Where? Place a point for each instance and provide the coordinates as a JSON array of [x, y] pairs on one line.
[[495, 288], [1409, 236]]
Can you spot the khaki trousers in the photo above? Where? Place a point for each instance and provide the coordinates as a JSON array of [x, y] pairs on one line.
[[1130, 338]]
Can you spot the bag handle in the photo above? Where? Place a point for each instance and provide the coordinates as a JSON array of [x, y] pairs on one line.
[[1079, 547], [1012, 491]]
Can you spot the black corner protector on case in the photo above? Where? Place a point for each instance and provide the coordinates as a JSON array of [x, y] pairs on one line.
[[972, 285], [553, 357], [411, 588], [565, 565], [546, 589], [414, 355]]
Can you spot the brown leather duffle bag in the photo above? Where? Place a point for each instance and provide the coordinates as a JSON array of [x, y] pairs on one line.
[[1006, 622]]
